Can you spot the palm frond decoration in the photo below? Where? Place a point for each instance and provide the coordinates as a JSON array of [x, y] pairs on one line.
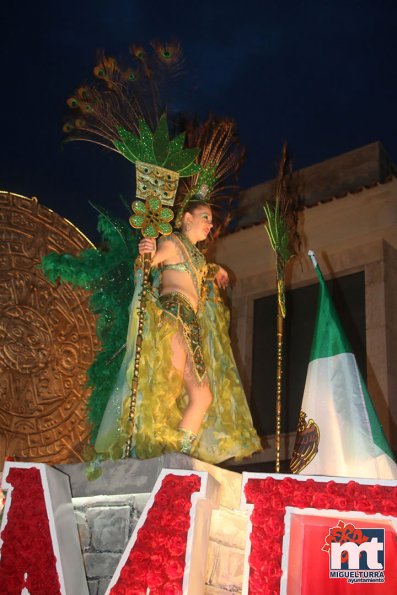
[[281, 223], [281, 228]]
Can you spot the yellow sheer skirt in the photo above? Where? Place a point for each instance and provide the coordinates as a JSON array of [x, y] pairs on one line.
[[227, 430]]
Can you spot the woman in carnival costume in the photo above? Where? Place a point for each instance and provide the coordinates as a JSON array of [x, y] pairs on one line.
[[189, 396]]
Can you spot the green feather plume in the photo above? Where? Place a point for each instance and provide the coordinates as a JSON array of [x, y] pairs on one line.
[[108, 274]]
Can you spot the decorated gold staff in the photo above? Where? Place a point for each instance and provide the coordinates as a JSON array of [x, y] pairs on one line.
[[114, 112], [281, 223], [160, 162]]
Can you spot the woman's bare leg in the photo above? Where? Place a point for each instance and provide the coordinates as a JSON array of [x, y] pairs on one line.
[[200, 398], [199, 395]]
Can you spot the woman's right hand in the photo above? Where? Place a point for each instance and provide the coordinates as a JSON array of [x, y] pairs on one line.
[[147, 245]]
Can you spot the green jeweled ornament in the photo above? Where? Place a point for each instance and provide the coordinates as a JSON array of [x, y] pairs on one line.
[[156, 148], [151, 218]]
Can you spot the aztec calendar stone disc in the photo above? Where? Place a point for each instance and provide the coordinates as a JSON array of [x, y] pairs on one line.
[[47, 338]]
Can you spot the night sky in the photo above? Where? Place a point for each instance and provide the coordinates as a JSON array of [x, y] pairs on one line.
[[321, 74]]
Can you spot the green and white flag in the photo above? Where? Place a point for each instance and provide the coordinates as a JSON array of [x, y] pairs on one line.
[[339, 432]]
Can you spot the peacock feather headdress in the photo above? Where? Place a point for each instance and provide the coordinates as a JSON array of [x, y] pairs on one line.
[[125, 110], [220, 159]]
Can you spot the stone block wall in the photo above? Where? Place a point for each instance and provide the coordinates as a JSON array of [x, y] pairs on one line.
[[105, 524], [106, 521], [225, 561]]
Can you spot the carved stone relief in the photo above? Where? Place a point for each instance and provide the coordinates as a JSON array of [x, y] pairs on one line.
[[47, 338]]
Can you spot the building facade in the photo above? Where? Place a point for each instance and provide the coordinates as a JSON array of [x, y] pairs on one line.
[[349, 218]]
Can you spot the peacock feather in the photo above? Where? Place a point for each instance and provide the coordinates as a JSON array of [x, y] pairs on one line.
[[125, 111], [220, 159], [122, 96]]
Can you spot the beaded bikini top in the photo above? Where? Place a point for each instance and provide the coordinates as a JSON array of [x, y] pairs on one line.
[[193, 262]]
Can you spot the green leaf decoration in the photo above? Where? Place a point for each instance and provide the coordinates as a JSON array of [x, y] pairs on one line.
[[206, 181], [164, 228], [278, 232], [182, 159], [153, 204], [139, 207], [137, 221], [146, 142], [207, 176], [190, 170], [132, 143], [161, 141], [166, 214], [157, 148], [124, 151], [150, 230], [177, 143]]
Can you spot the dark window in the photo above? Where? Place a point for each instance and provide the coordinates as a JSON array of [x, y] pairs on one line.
[[348, 294]]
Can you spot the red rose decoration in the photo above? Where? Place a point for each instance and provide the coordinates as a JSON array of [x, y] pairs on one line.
[[175, 568], [321, 500], [157, 559], [23, 551], [177, 545], [270, 497]]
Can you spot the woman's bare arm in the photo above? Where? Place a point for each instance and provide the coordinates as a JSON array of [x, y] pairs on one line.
[[164, 251], [222, 278]]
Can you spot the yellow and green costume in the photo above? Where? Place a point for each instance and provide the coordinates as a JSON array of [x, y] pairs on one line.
[[227, 429]]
